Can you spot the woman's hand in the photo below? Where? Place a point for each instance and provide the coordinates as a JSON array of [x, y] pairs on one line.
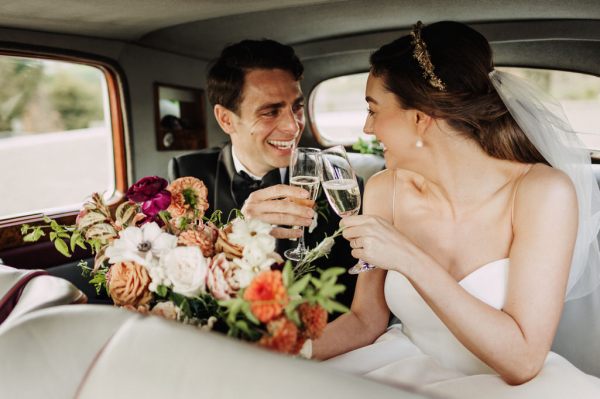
[[378, 242]]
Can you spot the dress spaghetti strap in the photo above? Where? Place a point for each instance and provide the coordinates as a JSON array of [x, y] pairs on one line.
[[517, 184], [394, 197]]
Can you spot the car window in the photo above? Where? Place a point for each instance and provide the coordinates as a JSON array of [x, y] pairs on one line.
[[338, 109], [56, 144]]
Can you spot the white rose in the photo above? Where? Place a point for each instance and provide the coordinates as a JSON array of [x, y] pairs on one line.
[[185, 268]]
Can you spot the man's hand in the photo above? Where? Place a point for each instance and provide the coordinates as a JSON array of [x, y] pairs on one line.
[[281, 205]]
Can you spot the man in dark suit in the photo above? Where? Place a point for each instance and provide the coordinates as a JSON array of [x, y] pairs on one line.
[[254, 87]]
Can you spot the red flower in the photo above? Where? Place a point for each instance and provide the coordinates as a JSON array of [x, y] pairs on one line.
[[146, 188], [314, 319], [267, 295], [150, 191], [282, 336]]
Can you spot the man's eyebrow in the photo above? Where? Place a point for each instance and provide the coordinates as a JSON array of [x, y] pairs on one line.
[[278, 105], [270, 106], [370, 100]]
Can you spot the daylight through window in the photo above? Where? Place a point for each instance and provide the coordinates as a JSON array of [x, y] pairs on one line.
[[55, 135], [338, 108]]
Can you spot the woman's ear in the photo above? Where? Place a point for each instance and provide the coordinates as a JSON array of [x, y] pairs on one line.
[[422, 122], [224, 118]]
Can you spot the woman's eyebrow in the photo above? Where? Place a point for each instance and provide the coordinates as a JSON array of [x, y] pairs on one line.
[[370, 100]]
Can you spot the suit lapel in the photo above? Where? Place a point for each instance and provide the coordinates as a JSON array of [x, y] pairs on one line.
[[223, 198]]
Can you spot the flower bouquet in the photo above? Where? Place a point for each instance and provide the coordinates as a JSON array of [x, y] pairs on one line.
[[159, 254]]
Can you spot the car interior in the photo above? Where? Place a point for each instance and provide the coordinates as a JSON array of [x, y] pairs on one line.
[[149, 59]]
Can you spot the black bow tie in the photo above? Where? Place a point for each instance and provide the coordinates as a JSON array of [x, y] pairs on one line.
[[243, 185]]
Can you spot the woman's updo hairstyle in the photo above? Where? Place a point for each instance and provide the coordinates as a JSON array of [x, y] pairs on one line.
[[442, 70]]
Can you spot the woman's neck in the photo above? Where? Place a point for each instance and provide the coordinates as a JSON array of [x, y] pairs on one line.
[[458, 171]]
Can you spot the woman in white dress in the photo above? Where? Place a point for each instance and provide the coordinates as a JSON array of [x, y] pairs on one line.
[[472, 231]]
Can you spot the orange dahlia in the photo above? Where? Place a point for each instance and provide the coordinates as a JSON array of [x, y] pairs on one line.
[[267, 295], [281, 336], [314, 319], [187, 194]]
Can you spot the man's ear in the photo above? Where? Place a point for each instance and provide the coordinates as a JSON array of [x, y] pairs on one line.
[[224, 118]]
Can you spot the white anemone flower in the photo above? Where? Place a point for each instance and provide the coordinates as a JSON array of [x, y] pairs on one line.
[[141, 245], [252, 233]]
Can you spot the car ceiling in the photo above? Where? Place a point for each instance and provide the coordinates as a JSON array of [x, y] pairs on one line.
[[200, 28]]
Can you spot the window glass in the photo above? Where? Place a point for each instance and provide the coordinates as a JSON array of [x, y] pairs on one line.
[[55, 135], [338, 108]]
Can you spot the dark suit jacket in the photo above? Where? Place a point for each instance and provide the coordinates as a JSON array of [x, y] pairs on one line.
[[215, 168]]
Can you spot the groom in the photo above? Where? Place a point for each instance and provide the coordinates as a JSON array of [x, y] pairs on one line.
[[254, 87]]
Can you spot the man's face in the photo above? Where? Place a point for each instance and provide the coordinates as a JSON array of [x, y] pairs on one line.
[[270, 120]]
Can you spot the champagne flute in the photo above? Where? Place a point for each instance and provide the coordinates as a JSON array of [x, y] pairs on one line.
[[341, 188], [305, 172]]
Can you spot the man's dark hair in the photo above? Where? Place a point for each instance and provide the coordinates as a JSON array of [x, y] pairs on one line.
[[226, 75]]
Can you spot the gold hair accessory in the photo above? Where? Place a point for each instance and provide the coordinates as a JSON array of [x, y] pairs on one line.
[[422, 56]]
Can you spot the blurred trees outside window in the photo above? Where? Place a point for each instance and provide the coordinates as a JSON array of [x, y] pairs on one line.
[[55, 135]]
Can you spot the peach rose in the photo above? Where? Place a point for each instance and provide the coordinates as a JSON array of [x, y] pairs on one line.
[[222, 280], [128, 284]]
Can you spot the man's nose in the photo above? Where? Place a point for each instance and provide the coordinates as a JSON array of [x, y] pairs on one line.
[[290, 123]]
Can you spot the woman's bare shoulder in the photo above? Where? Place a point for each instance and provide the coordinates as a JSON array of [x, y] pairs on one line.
[[545, 190], [547, 183]]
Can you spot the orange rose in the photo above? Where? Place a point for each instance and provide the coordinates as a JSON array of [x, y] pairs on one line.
[[267, 295], [128, 284]]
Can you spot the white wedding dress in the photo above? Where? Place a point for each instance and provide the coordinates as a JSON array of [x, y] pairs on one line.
[[422, 352]]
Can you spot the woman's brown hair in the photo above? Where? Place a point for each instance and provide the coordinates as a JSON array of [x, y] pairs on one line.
[[462, 60]]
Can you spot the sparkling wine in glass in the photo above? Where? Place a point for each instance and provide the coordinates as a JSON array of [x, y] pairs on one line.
[[341, 188], [305, 172]]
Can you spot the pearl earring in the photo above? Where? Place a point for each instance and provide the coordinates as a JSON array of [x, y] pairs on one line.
[[419, 143]]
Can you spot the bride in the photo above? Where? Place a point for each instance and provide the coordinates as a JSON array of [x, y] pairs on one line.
[[473, 228]]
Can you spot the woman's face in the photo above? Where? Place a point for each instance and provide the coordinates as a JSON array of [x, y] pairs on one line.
[[394, 126]]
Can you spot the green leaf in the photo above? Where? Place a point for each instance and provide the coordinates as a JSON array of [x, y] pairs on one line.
[[248, 313], [73, 241], [55, 226], [234, 309], [299, 285], [332, 272], [288, 274], [316, 283], [81, 243], [52, 236], [24, 229], [162, 291], [34, 236], [62, 247]]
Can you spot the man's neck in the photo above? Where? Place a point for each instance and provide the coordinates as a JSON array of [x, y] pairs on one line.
[[239, 166]]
